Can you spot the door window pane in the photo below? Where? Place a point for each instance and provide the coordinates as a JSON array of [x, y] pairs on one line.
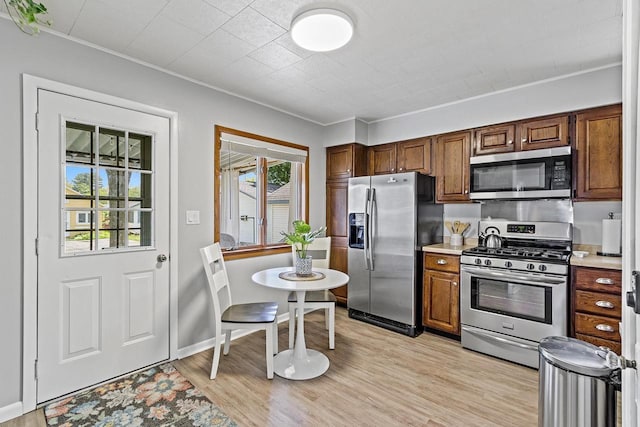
[[111, 146], [106, 206], [139, 152], [79, 143]]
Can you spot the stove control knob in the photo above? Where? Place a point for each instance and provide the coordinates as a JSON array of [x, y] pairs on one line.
[[531, 267], [478, 261], [487, 262], [508, 264], [542, 267]]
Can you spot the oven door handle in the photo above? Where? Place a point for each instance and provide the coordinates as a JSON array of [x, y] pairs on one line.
[[500, 339], [496, 275]]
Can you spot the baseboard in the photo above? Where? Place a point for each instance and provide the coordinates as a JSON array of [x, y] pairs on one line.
[[207, 344], [10, 411]]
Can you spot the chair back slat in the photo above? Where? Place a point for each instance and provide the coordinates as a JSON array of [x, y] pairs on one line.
[[319, 250], [217, 277]]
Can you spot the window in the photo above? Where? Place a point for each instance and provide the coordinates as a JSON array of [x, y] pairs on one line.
[[83, 218], [260, 188], [107, 191]]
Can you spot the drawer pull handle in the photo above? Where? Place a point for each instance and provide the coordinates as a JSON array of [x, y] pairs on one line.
[[604, 281], [454, 283], [604, 304], [604, 328], [441, 261]]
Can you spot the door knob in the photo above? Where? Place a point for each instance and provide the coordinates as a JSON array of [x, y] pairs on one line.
[[162, 258]]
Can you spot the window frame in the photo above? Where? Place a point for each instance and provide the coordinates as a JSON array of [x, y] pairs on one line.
[[261, 249]]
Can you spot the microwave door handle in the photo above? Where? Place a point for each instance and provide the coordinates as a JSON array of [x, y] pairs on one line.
[[372, 233], [366, 230], [495, 275]]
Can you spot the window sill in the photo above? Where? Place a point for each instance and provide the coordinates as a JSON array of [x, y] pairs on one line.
[[255, 252]]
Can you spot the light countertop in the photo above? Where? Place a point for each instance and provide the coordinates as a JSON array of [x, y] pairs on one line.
[[593, 260], [446, 248]]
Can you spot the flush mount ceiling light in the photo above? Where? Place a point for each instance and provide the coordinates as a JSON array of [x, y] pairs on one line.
[[322, 30]]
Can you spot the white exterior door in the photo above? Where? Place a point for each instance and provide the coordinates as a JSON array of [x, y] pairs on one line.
[[103, 232]]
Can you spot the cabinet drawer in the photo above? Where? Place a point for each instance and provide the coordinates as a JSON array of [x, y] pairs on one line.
[[598, 326], [440, 262], [614, 346], [599, 303], [598, 279]]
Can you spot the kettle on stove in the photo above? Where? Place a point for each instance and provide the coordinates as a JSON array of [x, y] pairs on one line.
[[491, 237]]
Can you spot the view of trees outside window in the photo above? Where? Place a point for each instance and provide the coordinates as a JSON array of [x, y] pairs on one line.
[[110, 201]]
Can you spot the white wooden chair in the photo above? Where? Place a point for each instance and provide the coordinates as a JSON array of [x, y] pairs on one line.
[[320, 251], [229, 316]]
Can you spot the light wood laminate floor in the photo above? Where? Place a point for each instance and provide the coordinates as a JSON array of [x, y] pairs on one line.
[[376, 378]]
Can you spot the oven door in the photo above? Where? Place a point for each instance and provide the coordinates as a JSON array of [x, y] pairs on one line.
[[520, 304]]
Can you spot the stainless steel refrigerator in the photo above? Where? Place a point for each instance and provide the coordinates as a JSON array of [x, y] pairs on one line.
[[390, 218]]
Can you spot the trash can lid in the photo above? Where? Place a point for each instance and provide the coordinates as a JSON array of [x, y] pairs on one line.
[[575, 356]]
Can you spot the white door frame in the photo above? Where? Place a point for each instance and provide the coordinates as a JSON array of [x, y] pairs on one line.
[[30, 86]]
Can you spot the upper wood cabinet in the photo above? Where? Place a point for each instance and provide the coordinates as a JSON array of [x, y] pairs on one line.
[[452, 167], [414, 155], [382, 159], [599, 159], [495, 139], [543, 133], [345, 161]]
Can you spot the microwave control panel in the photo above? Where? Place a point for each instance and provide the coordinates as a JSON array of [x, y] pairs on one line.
[[561, 174]]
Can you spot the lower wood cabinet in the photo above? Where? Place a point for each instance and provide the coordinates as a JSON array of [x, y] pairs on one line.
[[441, 293], [596, 306]]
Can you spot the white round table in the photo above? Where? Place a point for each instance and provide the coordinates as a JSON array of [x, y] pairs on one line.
[[300, 363]]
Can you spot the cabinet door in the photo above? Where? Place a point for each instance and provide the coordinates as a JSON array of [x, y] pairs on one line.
[[336, 210], [599, 146], [338, 261], [452, 160], [339, 162], [544, 133], [441, 296], [414, 155], [494, 139], [382, 159]]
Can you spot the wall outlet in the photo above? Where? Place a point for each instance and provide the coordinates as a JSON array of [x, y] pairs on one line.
[[193, 217]]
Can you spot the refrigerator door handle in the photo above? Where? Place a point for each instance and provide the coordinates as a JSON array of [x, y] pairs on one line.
[[366, 230], [372, 232]]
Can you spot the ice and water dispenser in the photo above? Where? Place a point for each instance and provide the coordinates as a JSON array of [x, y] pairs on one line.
[[356, 230]]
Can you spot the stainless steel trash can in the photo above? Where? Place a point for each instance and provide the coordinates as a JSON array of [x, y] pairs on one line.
[[577, 386]]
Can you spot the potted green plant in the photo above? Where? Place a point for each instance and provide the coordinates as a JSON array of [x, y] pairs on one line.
[[300, 238], [26, 15]]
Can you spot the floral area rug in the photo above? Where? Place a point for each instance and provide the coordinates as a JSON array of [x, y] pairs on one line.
[[159, 396]]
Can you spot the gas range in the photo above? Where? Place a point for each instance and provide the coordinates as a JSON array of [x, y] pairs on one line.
[[514, 295], [526, 246]]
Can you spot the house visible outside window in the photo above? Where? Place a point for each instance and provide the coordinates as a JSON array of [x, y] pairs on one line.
[[108, 189], [261, 186]]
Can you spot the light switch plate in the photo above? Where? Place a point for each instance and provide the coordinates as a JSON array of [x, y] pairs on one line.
[[193, 217]]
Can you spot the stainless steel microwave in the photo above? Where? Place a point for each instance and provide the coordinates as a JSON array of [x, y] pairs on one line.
[[543, 174]]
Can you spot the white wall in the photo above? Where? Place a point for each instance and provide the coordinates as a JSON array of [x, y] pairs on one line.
[[595, 88], [199, 109]]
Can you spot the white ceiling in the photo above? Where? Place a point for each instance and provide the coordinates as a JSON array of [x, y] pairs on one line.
[[405, 55]]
